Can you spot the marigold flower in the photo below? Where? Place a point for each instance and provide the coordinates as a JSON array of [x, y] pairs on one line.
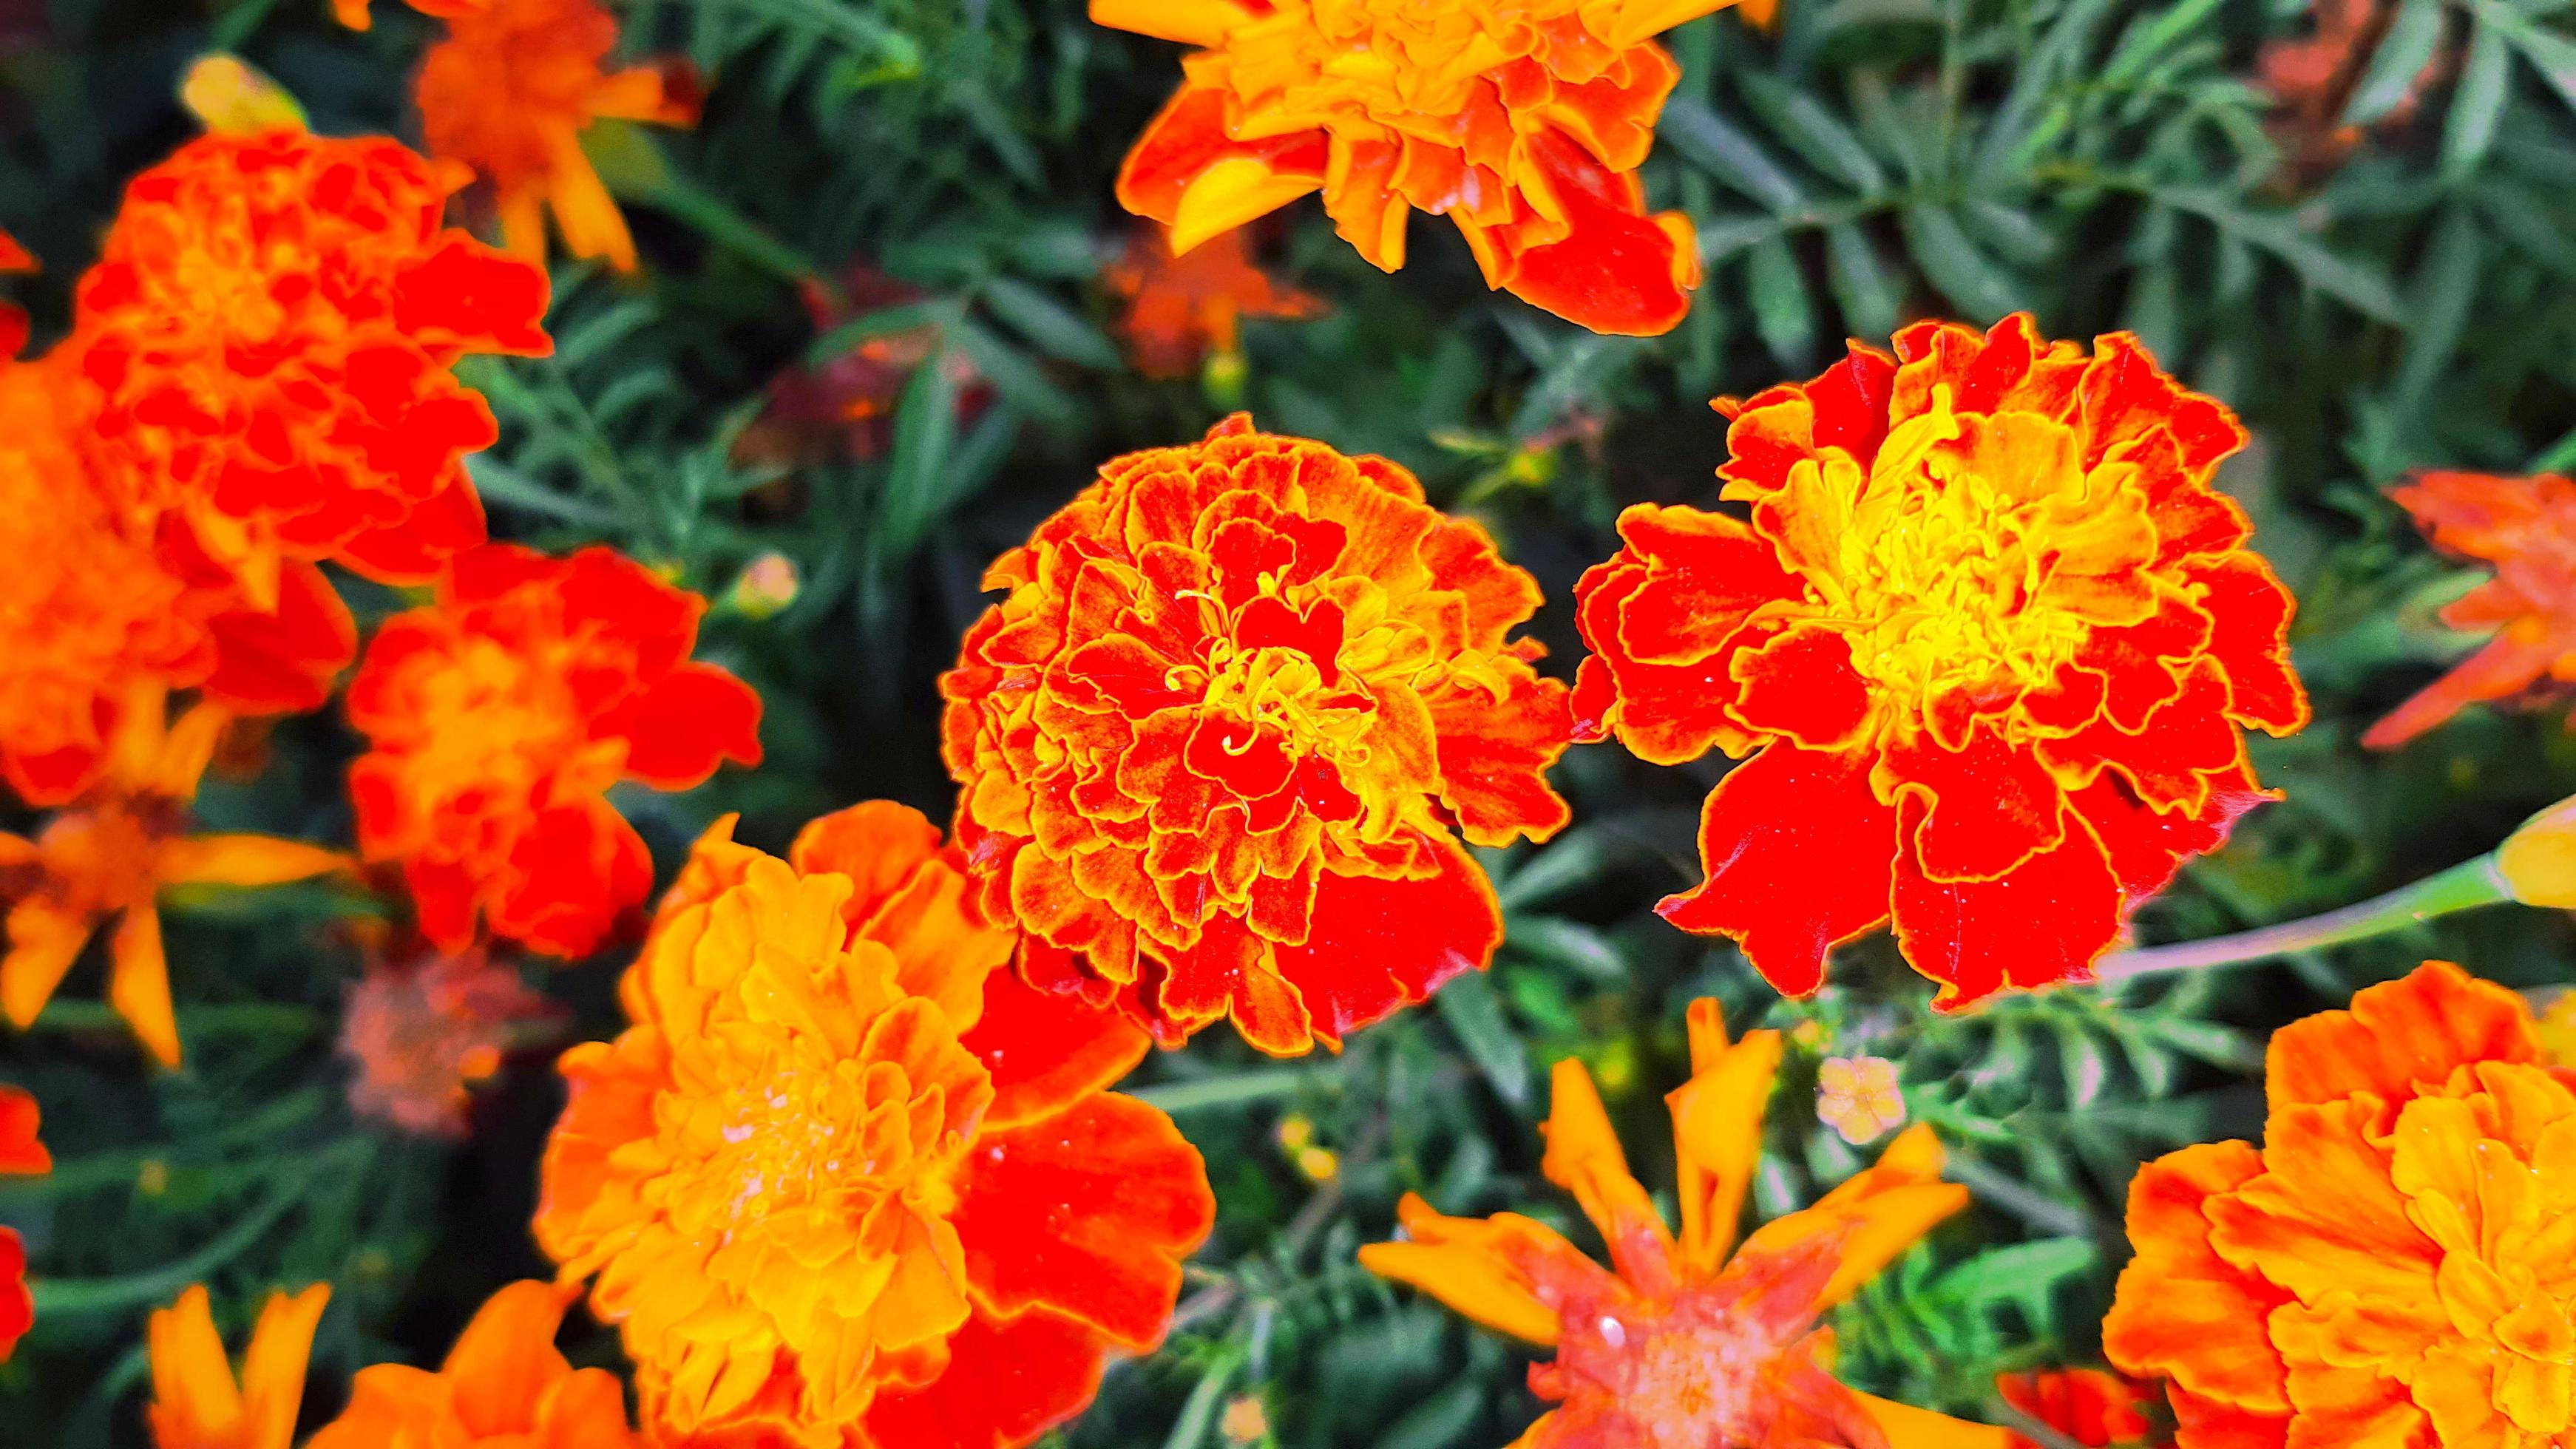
[[1858, 1098], [2392, 1266], [1680, 1345], [420, 1035], [504, 1386], [197, 1404], [2094, 1409], [509, 92], [268, 333], [1524, 124], [498, 717], [1179, 309], [1986, 644], [2526, 528], [846, 1180], [1219, 743], [111, 856], [22, 1155]]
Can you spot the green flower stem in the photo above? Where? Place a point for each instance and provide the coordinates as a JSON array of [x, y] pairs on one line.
[[1231, 1090], [56, 1297], [2465, 886]]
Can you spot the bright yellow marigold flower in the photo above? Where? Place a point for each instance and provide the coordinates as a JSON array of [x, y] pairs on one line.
[[1680, 1345], [112, 855], [196, 1402]]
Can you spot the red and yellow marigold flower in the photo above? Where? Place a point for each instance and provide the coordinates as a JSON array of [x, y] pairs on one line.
[[1523, 123], [267, 338], [1181, 309], [2394, 1265], [1984, 647], [196, 1401], [504, 1386], [2088, 1406], [498, 717], [1220, 742], [509, 92], [20, 1155], [1697, 1340], [2526, 529], [420, 1035], [846, 1180], [108, 858]]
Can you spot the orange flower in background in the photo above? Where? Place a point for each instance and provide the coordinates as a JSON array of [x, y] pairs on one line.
[[846, 1180], [110, 857], [2095, 1409], [421, 1035], [504, 1386], [842, 409], [1180, 309], [267, 340], [1682, 1344], [1524, 124], [509, 92], [1984, 647], [196, 1402], [360, 15], [499, 716], [1220, 743], [2393, 1266], [20, 1155], [2526, 528]]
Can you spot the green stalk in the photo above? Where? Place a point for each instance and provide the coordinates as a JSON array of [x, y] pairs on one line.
[[2470, 884]]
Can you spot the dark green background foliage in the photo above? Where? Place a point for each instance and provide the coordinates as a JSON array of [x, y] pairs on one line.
[[2102, 163]]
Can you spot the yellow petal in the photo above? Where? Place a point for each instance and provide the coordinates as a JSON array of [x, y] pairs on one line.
[[1228, 194], [1637, 21], [1882, 1212], [138, 984], [1706, 1023], [1463, 1262], [505, 1358], [43, 944], [1189, 22], [244, 860], [588, 217], [1584, 1158], [1907, 1427], [229, 96], [273, 1370], [1717, 1139], [186, 750], [194, 1398]]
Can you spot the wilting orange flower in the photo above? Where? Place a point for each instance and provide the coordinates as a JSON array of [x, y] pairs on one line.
[[20, 1154], [1522, 123], [1680, 1345], [2394, 1266], [1179, 309], [1986, 644], [2094, 1409], [197, 1404], [268, 335], [109, 858], [1219, 743], [504, 1386], [421, 1034], [2526, 528], [509, 92], [846, 1180], [499, 716]]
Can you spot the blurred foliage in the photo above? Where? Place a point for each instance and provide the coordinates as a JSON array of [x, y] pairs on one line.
[[2103, 163]]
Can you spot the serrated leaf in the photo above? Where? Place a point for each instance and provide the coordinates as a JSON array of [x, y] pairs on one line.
[[2356, 284]]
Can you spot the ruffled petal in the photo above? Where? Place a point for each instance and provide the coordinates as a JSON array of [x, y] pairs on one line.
[[1797, 852]]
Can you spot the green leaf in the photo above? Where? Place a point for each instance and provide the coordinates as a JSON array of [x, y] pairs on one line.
[[1013, 374], [1049, 324], [1861, 284], [2402, 55], [1475, 1016], [2478, 101], [2550, 53], [2356, 284], [1805, 126], [1693, 130], [1951, 262], [1441, 1420], [1782, 312]]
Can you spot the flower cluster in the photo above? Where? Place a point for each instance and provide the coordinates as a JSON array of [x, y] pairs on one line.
[[1522, 123], [1218, 745], [418, 1036], [497, 718], [2391, 1266], [847, 1180], [1985, 646]]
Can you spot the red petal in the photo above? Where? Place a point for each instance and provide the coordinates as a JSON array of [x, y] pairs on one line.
[[1007, 1382], [1797, 851], [1187, 137], [579, 866], [1846, 407], [1984, 809], [1087, 1212], [1619, 271], [20, 1152], [2144, 844], [412, 549], [1046, 1049], [2042, 922], [283, 661], [2506, 666], [1801, 684], [2125, 395], [1705, 572], [2171, 761], [1494, 755], [17, 1305], [1375, 944], [683, 724], [2249, 637]]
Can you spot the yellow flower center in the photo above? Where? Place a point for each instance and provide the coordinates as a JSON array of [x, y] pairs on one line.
[[491, 717], [1284, 689], [1387, 58]]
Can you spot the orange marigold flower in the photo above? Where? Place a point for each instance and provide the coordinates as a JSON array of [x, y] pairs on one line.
[[1179, 309], [269, 333], [2393, 1266], [197, 1404], [1219, 743], [2526, 528], [420, 1035], [509, 92], [504, 1386], [20, 1154], [1522, 123], [2094, 1409], [111, 856], [1986, 644], [1680, 1344], [499, 716], [846, 1180]]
